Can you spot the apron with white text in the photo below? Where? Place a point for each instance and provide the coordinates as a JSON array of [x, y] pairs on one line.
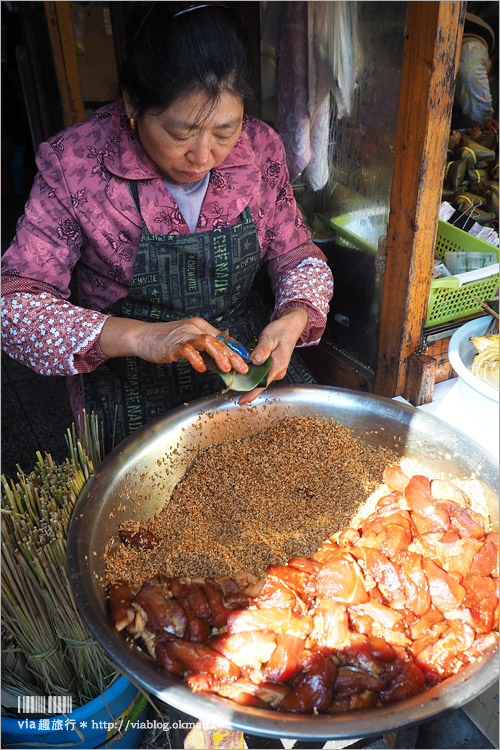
[[203, 274]]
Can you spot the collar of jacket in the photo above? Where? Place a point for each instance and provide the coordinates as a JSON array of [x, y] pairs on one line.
[[125, 156]]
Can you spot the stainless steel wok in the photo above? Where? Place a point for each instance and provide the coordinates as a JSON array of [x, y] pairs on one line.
[[136, 477]]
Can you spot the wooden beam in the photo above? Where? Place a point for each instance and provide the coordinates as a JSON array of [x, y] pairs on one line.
[[430, 60], [31, 32], [64, 52], [420, 379]]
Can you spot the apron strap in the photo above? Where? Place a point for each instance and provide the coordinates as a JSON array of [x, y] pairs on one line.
[[134, 189]]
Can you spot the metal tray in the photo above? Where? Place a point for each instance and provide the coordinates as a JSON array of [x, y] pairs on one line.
[[134, 480]]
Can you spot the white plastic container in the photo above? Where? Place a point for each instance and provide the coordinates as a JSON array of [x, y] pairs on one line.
[[461, 353]]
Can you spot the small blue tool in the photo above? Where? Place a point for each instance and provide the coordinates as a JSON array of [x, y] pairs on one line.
[[236, 347]]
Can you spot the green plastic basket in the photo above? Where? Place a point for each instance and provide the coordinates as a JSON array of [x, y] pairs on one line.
[[447, 300], [360, 229]]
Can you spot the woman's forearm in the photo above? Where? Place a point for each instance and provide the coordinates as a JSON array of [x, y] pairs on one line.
[[166, 342], [120, 337]]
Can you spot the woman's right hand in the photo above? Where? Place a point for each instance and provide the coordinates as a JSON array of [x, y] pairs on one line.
[[168, 342]]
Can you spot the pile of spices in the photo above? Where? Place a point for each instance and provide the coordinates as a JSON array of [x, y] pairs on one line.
[[255, 501]]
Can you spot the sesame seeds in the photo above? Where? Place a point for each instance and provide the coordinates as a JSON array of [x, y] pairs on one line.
[[251, 502]]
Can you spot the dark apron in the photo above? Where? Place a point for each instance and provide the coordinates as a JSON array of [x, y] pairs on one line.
[[202, 274]]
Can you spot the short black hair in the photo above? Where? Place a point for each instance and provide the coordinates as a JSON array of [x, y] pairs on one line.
[[169, 56]]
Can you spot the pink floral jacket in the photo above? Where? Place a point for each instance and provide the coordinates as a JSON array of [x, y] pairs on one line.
[[81, 227]]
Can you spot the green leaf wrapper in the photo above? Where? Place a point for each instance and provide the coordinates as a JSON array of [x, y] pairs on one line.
[[236, 381]]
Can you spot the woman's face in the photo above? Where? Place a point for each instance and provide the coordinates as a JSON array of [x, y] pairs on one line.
[[186, 151]]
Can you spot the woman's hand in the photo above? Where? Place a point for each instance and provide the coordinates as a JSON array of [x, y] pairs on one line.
[[278, 339], [168, 342]]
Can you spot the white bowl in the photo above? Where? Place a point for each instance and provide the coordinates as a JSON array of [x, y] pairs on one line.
[[461, 353]]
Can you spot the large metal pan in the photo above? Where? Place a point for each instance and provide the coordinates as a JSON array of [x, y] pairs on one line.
[[135, 479]]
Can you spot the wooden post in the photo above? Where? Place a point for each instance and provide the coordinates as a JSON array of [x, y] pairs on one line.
[[430, 60], [420, 379], [62, 41]]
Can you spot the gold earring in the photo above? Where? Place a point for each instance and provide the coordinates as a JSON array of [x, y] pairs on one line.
[[132, 123]]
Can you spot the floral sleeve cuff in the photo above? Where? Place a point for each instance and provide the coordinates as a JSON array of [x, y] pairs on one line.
[[49, 334], [308, 285]]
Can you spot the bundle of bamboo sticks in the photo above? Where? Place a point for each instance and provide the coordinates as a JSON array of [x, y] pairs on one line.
[[52, 651]]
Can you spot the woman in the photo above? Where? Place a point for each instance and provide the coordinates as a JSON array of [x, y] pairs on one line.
[[473, 106], [147, 225]]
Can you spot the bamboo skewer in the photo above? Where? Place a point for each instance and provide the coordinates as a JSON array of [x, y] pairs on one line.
[[490, 310], [485, 306]]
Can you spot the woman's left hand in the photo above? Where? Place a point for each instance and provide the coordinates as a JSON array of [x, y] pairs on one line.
[[277, 340]]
